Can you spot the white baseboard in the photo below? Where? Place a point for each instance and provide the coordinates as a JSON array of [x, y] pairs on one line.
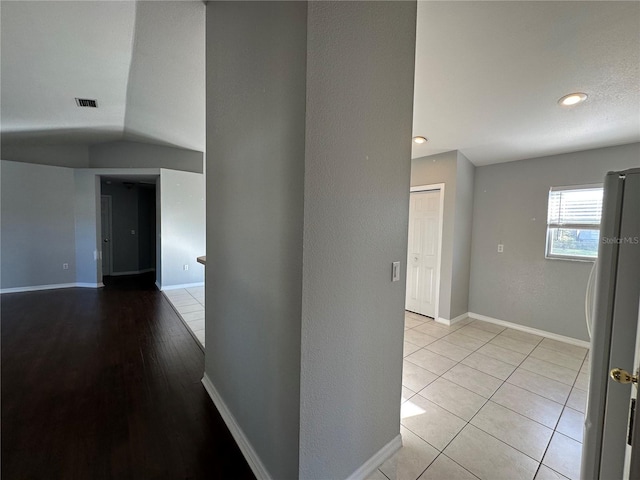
[[444, 321], [90, 285], [132, 272], [176, 287], [534, 331], [367, 468], [258, 468], [56, 286]]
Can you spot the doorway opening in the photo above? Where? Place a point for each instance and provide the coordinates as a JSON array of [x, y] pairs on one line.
[[128, 227], [424, 250]]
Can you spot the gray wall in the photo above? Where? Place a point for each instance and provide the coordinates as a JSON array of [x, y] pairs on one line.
[[62, 205], [462, 237], [510, 207], [37, 225], [360, 68], [74, 156], [325, 335], [147, 227], [87, 232], [255, 174], [158, 237], [119, 154], [128, 154], [182, 227], [457, 173]]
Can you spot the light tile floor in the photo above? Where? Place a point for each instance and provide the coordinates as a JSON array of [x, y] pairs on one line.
[[189, 303], [484, 401]]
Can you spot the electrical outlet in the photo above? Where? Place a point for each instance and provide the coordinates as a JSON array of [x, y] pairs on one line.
[[65, 266], [133, 232], [185, 266], [500, 248]]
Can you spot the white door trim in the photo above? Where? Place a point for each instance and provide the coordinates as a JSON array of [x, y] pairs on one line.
[[427, 188]]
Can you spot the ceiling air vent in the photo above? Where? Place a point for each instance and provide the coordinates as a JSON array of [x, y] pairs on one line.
[[86, 102]]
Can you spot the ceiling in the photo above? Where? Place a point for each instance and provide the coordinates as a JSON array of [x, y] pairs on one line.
[[488, 75], [142, 61]]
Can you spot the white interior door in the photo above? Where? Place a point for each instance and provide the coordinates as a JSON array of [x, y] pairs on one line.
[[105, 215], [423, 252]]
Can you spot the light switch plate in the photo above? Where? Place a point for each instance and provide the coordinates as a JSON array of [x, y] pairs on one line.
[[395, 271]]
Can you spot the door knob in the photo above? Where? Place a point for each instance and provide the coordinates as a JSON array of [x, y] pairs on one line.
[[622, 376], [106, 240]]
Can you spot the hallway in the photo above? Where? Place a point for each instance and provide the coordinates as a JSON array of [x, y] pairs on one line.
[[105, 384]]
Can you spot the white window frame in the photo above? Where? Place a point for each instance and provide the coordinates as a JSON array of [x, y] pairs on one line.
[[569, 226]]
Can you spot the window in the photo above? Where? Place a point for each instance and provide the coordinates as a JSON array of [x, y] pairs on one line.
[[573, 222]]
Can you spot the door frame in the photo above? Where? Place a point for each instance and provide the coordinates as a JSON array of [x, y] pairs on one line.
[[430, 188], [110, 243]]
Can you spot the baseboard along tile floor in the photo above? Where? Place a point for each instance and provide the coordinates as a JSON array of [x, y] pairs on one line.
[[481, 401]]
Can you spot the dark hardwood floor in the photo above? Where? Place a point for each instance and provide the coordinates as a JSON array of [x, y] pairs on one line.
[[105, 384]]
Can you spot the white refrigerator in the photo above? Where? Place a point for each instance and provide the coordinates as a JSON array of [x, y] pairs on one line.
[[610, 432]]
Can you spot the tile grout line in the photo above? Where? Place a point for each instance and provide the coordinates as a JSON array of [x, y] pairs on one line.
[[520, 365], [441, 452], [467, 422], [559, 418], [554, 430], [539, 462]]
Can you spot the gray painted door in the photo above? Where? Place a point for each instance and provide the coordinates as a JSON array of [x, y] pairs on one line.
[[105, 212]]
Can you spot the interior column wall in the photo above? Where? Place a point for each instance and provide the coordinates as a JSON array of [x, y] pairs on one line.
[[309, 112], [360, 68], [256, 64]]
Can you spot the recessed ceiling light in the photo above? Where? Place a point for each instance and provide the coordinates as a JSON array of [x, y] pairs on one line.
[[572, 99], [420, 140]]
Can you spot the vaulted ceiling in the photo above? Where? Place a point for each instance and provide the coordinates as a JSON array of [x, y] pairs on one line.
[[488, 75], [142, 61]]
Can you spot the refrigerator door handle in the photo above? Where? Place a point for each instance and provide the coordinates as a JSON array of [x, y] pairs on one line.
[[588, 298]]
